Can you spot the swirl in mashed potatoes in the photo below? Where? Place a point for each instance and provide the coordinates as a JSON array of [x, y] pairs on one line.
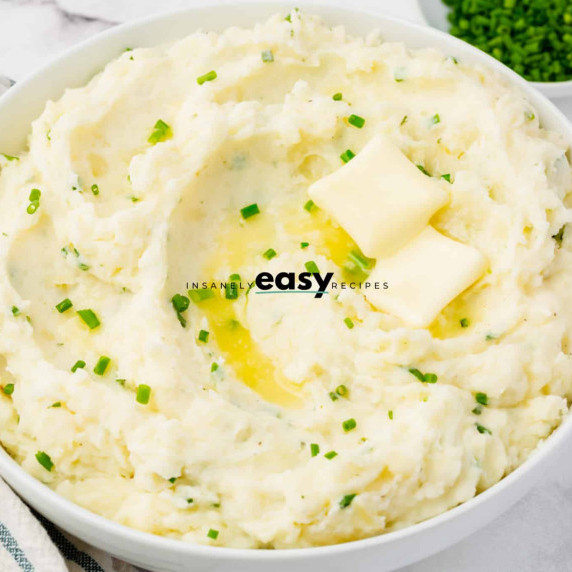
[[279, 420]]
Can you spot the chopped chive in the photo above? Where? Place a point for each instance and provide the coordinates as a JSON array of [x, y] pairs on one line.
[[101, 365], [529, 115], [357, 263], [312, 267], [337, 96], [356, 121], [558, 237], [267, 56], [490, 337], [121, 381], [35, 195], [481, 429], [209, 76], [180, 304], [333, 396], [404, 120], [95, 189], [79, 364], [423, 170], [330, 455], [348, 322], [45, 460], [8, 389], [10, 157], [349, 425], [435, 119], [249, 211], [173, 480], [304, 245], [143, 394], [198, 295], [203, 336], [347, 155], [64, 305], [477, 410], [214, 366], [482, 398], [314, 449], [423, 377], [190, 501], [347, 500], [342, 390], [446, 177], [390, 414], [464, 322], [231, 291], [269, 254], [161, 132], [212, 533], [89, 318], [15, 311], [310, 206], [56, 405]]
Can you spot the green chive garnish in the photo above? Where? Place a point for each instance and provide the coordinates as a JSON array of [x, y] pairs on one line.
[[347, 500], [404, 120], [8, 389], [143, 394], [89, 318], [161, 132], [15, 311], [203, 336], [424, 377], [101, 365], [180, 304], [34, 198], [481, 429], [79, 364], [435, 119], [347, 155], [312, 267], [95, 189], [173, 480], [56, 405], [482, 398], [356, 121], [424, 170], [330, 455], [249, 211], [446, 177], [198, 295], [64, 305], [310, 206], [212, 533], [209, 76], [304, 245], [10, 157], [348, 322], [231, 289], [267, 56], [477, 410], [214, 367], [45, 460], [464, 322], [314, 449], [390, 414], [337, 96], [349, 425], [342, 391], [269, 254]]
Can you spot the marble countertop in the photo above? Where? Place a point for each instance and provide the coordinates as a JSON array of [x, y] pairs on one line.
[[531, 537]]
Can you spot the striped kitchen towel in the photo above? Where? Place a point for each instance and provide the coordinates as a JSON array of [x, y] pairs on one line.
[[29, 543]]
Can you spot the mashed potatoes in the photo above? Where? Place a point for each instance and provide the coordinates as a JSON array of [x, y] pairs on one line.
[[278, 420]]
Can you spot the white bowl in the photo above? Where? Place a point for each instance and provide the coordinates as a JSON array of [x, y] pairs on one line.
[[24, 102]]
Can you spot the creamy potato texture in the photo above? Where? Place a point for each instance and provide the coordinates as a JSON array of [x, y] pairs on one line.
[[284, 427]]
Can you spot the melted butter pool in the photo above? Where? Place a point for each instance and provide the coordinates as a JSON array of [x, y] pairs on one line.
[[237, 245]]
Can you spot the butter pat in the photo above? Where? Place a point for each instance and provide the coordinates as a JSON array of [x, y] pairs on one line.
[[424, 276], [380, 198]]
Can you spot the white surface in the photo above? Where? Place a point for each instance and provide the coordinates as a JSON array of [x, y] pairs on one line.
[[534, 535]]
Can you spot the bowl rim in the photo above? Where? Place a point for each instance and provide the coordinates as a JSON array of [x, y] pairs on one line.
[[27, 485]]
